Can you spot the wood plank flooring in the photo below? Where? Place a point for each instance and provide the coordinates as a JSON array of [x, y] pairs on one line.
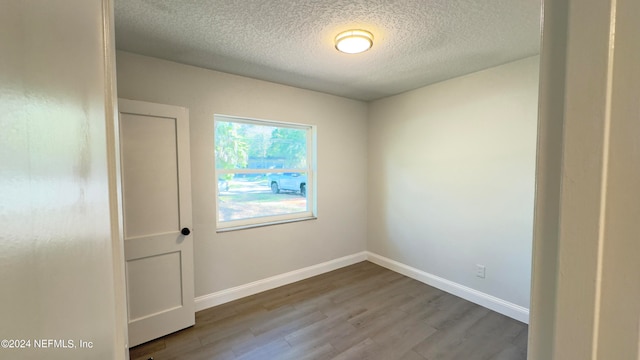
[[362, 311]]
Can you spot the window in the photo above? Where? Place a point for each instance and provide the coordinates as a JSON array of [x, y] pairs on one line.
[[264, 171]]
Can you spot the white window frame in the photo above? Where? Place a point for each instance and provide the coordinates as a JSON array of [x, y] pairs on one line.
[[310, 170]]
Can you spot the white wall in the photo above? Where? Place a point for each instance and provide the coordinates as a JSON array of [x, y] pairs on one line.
[[226, 260], [58, 250], [451, 178]]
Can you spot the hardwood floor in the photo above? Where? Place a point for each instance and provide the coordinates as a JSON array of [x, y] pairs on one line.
[[361, 311]]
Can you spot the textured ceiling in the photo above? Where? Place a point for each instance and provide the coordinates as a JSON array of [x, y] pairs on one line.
[[417, 42]]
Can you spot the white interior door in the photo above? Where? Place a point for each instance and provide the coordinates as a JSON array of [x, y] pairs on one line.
[[158, 250]]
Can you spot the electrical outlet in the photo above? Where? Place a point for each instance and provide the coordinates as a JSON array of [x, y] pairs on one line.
[[480, 271]]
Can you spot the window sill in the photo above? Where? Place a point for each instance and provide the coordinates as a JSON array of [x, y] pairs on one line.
[[251, 226]]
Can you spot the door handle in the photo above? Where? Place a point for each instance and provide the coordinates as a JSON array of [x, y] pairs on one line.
[[185, 231]]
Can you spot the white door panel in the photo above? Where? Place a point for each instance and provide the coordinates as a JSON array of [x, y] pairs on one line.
[[157, 206], [150, 175]]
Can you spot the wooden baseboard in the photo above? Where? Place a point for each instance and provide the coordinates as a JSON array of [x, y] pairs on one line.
[[224, 296], [490, 302]]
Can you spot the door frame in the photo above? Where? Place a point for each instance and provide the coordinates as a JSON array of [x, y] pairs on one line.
[[587, 177]]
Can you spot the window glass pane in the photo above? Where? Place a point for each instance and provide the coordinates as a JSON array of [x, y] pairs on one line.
[[246, 196], [255, 146], [232, 147], [262, 169], [289, 148]]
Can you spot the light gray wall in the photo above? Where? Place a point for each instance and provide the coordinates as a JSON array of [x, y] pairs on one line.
[[225, 260], [451, 178], [58, 253]]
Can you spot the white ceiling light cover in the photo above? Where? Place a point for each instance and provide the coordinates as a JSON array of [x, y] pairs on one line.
[[354, 41]]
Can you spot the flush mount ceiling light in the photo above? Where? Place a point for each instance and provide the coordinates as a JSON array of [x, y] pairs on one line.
[[354, 41]]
